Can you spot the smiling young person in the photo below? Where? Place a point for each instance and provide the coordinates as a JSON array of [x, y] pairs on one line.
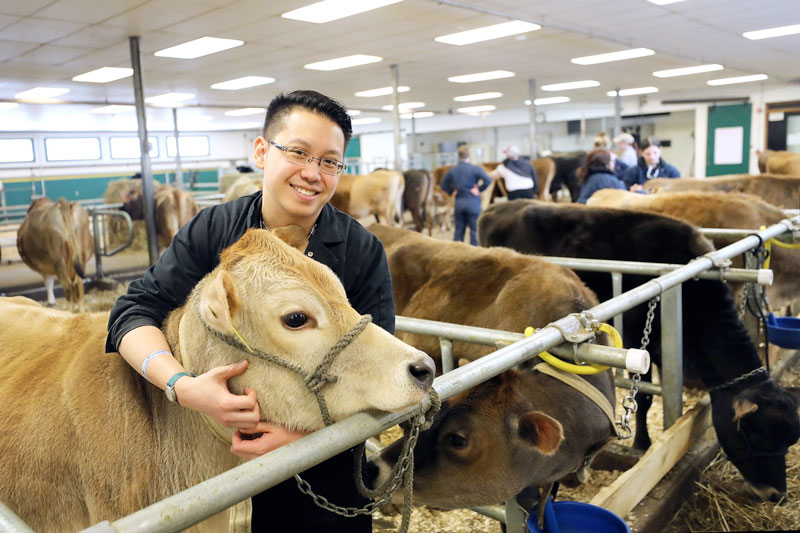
[[301, 152]]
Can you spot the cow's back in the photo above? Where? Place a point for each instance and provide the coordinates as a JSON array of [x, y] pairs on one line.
[[45, 238]]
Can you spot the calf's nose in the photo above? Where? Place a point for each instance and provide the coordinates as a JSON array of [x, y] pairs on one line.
[[422, 371]]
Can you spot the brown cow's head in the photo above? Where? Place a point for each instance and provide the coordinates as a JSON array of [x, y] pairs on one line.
[[133, 203]]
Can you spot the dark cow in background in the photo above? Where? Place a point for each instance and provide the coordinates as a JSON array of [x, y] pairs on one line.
[[566, 165], [780, 191], [755, 419], [521, 428], [55, 241], [174, 208], [418, 198]]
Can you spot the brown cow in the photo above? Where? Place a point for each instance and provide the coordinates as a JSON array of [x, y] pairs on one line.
[[486, 194], [246, 184], [781, 191], [520, 429], [779, 162], [55, 241], [174, 208], [719, 210], [418, 198], [85, 438], [379, 193]]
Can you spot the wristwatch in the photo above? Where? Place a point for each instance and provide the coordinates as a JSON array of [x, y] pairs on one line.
[[169, 390]]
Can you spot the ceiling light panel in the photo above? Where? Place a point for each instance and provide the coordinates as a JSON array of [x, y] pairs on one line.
[[550, 100], [245, 111], [41, 93], [199, 47], [664, 2], [169, 99], [738, 79], [687, 71], [243, 83], [343, 62], [634, 91], [772, 32], [353, 112], [476, 109], [104, 75], [367, 120], [418, 114], [583, 84], [613, 56], [478, 96], [113, 109], [487, 33], [328, 10], [383, 91], [482, 76], [404, 105], [5, 106]]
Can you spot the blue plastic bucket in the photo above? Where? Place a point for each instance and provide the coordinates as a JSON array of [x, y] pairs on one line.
[[784, 331], [577, 517]]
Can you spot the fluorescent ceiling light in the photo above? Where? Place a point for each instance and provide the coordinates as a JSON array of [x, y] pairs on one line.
[[551, 100], [113, 109], [383, 91], [5, 106], [199, 48], [368, 120], [664, 2], [404, 105], [104, 75], [478, 96], [476, 109], [353, 112], [418, 114], [634, 91], [612, 56], [41, 93], [245, 111], [772, 32], [486, 33], [169, 99], [248, 125], [686, 71], [482, 76], [343, 62], [328, 10], [570, 85], [243, 83], [737, 79]]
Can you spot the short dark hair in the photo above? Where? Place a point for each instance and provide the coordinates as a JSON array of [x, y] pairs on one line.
[[650, 141], [282, 106]]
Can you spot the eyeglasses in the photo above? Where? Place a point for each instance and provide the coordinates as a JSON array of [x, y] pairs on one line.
[[301, 157]]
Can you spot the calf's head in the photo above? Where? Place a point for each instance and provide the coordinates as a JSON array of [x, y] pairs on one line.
[[281, 303], [755, 428], [484, 447]]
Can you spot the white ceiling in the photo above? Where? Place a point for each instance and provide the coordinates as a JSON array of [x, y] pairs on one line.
[[47, 42]]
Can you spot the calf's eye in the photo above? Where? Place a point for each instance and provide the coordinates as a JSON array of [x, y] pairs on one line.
[[295, 320], [457, 441]]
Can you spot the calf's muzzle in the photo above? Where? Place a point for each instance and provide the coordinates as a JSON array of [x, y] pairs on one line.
[[422, 371]]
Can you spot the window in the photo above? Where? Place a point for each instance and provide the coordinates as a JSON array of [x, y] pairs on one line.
[[191, 146], [128, 147], [16, 150], [72, 148]]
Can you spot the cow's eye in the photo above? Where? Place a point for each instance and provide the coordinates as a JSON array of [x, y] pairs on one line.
[[295, 320], [457, 441]]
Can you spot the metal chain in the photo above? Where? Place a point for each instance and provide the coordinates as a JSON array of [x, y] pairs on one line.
[[743, 307], [629, 402]]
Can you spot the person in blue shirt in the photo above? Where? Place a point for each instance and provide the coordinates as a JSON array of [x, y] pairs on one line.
[[466, 182], [650, 165], [597, 173]]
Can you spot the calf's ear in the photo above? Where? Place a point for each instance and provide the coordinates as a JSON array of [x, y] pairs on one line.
[[543, 432], [742, 408], [293, 235], [218, 302]]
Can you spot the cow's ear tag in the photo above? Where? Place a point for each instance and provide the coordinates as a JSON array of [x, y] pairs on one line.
[[742, 408], [218, 302], [542, 431], [293, 235]]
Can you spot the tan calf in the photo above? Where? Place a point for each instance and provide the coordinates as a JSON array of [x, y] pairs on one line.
[[781, 191], [779, 162], [379, 193], [55, 241], [86, 439], [247, 184]]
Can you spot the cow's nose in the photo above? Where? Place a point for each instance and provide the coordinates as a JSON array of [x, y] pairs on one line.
[[422, 370]]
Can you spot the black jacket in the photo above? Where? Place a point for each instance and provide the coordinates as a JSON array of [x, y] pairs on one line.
[[357, 258], [339, 242], [638, 173]]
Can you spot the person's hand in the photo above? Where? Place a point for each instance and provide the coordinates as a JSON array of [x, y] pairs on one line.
[[636, 187], [209, 394], [264, 437], [474, 190]]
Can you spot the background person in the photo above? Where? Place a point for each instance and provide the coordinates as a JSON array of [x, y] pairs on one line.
[[597, 173], [466, 182], [301, 152], [603, 141], [626, 151], [650, 166], [518, 174]]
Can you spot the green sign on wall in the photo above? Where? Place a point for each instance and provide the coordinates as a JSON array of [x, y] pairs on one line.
[[728, 140]]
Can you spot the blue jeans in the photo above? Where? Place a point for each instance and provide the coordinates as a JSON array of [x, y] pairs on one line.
[[466, 214]]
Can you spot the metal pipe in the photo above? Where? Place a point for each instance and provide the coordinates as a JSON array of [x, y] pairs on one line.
[[643, 386], [616, 290], [492, 511], [396, 116], [617, 113], [11, 523], [727, 233], [672, 354], [144, 146], [532, 117], [178, 169], [446, 348], [762, 276]]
